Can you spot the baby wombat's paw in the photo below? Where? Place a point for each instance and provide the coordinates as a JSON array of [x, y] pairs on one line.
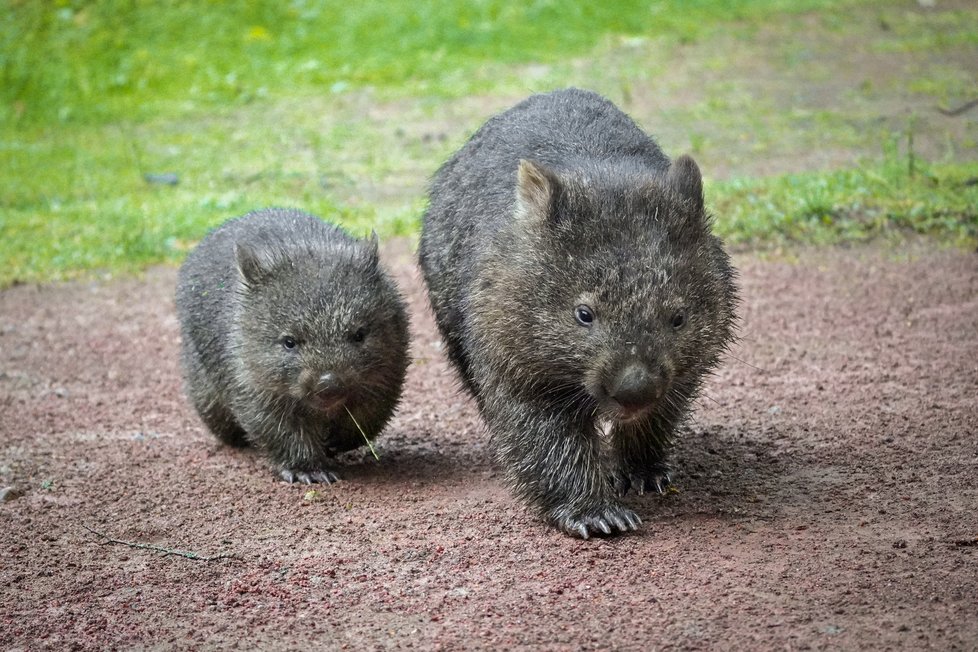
[[604, 519], [657, 477], [324, 476]]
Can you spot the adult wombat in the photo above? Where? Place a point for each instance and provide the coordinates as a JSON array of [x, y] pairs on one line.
[[581, 296], [294, 339]]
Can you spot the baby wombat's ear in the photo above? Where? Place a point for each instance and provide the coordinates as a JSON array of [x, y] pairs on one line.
[[254, 265], [684, 177], [536, 190]]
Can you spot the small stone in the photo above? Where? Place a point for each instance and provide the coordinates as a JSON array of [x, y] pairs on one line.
[[9, 493], [162, 179]]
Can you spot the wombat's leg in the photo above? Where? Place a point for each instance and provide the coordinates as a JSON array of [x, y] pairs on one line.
[[207, 400], [455, 349], [298, 453], [642, 456], [220, 421], [553, 463], [214, 413]]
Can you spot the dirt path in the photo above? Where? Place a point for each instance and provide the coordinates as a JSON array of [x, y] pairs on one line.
[[827, 490]]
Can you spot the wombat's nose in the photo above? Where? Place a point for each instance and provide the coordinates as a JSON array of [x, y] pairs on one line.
[[635, 388], [328, 383], [329, 393]]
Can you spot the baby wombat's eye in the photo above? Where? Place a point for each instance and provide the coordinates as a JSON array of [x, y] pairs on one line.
[[679, 319], [584, 315], [358, 335], [288, 342]]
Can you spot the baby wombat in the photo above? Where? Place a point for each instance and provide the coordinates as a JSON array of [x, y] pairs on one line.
[[294, 339], [582, 297]]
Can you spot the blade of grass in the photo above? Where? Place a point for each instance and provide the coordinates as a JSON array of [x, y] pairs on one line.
[[365, 438]]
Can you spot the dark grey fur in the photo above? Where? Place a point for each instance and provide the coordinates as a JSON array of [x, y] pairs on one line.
[[582, 297], [275, 278]]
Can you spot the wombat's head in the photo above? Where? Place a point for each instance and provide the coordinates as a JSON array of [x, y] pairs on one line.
[[320, 324], [609, 291]]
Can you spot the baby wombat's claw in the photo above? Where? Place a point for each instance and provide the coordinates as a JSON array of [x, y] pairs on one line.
[[609, 519], [309, 477]]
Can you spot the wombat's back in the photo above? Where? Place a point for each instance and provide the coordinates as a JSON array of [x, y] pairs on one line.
[[560, 130]]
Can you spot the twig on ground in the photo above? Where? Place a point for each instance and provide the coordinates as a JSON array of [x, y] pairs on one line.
[[961, 109], [166, 551]]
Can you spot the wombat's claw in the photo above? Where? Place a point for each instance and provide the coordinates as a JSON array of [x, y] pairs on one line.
[[309, 477], [603, 520], [659, 482], [662, 482], [659, 479]]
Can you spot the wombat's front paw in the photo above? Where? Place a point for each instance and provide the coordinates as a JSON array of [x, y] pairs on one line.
[[656, 478], [309, 477], [606, 519]]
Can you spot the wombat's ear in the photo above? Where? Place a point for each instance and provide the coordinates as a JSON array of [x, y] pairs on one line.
[[536, 188], [252, 264], [684, 177], [373, 247]]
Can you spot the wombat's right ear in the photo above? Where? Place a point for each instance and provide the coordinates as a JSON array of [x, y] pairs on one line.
[[373, 247], [536, 188], [685, 178], [252, 265]]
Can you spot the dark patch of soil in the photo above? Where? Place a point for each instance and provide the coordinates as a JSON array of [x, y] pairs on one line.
[[827, 490]]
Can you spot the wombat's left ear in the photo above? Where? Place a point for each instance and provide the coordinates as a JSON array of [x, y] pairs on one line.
[[536, 188], [253, 265], [684, 177]]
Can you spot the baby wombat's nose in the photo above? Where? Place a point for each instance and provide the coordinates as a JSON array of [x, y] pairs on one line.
[[329, 392], [329, 383], [635, 388]]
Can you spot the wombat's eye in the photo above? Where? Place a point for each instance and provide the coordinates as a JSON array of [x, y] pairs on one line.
[[358, 335], [288, 342], [584, 315], [679, 319]]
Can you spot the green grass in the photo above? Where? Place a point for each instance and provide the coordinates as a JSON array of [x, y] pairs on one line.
[[108, 59], [345, 109], [850, 205]]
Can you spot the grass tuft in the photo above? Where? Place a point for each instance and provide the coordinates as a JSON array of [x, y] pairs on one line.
[[856, 204]]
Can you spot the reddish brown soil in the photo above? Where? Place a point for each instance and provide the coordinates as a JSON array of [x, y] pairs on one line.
[[827, 490]]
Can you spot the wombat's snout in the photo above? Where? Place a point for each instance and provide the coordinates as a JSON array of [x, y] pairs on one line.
[[636, 388], [330, 392]]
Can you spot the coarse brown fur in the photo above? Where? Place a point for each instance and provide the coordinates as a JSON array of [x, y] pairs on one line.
[[582, 297], [294, 339]]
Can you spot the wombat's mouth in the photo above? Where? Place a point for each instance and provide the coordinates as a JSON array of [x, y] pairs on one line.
[[616, 410], [627, 413], [328, 402], [609, 410]]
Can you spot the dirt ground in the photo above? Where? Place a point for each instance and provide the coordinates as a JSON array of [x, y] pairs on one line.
[[827, 489]]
